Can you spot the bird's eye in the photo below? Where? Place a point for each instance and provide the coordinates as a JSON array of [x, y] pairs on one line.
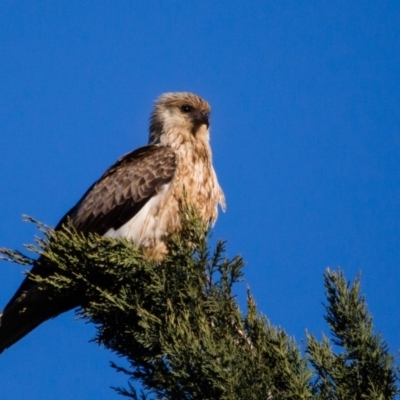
[[186, 109]]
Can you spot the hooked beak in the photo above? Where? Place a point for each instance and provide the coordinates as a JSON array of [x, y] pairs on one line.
[[202, 117]]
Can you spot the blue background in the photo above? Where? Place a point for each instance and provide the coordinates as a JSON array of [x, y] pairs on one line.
[[305, 136]]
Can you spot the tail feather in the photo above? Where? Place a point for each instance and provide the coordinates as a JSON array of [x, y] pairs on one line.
[[27, 312]]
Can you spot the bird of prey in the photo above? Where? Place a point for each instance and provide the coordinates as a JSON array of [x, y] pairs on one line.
[[138, 197]]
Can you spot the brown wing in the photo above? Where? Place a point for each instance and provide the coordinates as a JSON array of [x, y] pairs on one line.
[[116, 197], [123, 189]]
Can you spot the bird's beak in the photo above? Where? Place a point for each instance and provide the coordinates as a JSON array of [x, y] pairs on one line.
[[202, 117]]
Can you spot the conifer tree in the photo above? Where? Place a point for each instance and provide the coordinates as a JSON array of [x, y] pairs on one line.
[[178, 324]]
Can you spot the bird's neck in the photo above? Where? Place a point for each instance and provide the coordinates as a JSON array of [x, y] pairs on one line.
[[189, 146]]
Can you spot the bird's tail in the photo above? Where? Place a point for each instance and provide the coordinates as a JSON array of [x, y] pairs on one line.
[[27, 312]]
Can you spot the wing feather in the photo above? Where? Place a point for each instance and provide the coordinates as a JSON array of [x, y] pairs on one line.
[[115, 198], [123, 189]]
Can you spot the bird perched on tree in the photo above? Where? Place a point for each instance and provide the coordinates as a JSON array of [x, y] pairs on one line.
[[138, 197]]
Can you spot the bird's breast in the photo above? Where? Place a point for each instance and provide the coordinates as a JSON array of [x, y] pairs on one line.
[[194, 181]]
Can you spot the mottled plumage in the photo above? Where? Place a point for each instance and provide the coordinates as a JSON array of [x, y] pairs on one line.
[[138, 197]]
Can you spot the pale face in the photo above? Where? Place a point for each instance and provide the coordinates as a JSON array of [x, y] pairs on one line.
[[179, 117]]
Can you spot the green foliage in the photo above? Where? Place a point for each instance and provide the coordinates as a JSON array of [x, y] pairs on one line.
[[180, 328], [363, 369]]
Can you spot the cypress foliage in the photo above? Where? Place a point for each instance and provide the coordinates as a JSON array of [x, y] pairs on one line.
[[362, 368], [180, 328]]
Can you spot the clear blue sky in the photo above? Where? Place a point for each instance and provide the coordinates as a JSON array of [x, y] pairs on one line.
[[305, 135]]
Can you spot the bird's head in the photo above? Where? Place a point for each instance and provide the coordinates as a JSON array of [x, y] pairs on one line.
[[179, 117]]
